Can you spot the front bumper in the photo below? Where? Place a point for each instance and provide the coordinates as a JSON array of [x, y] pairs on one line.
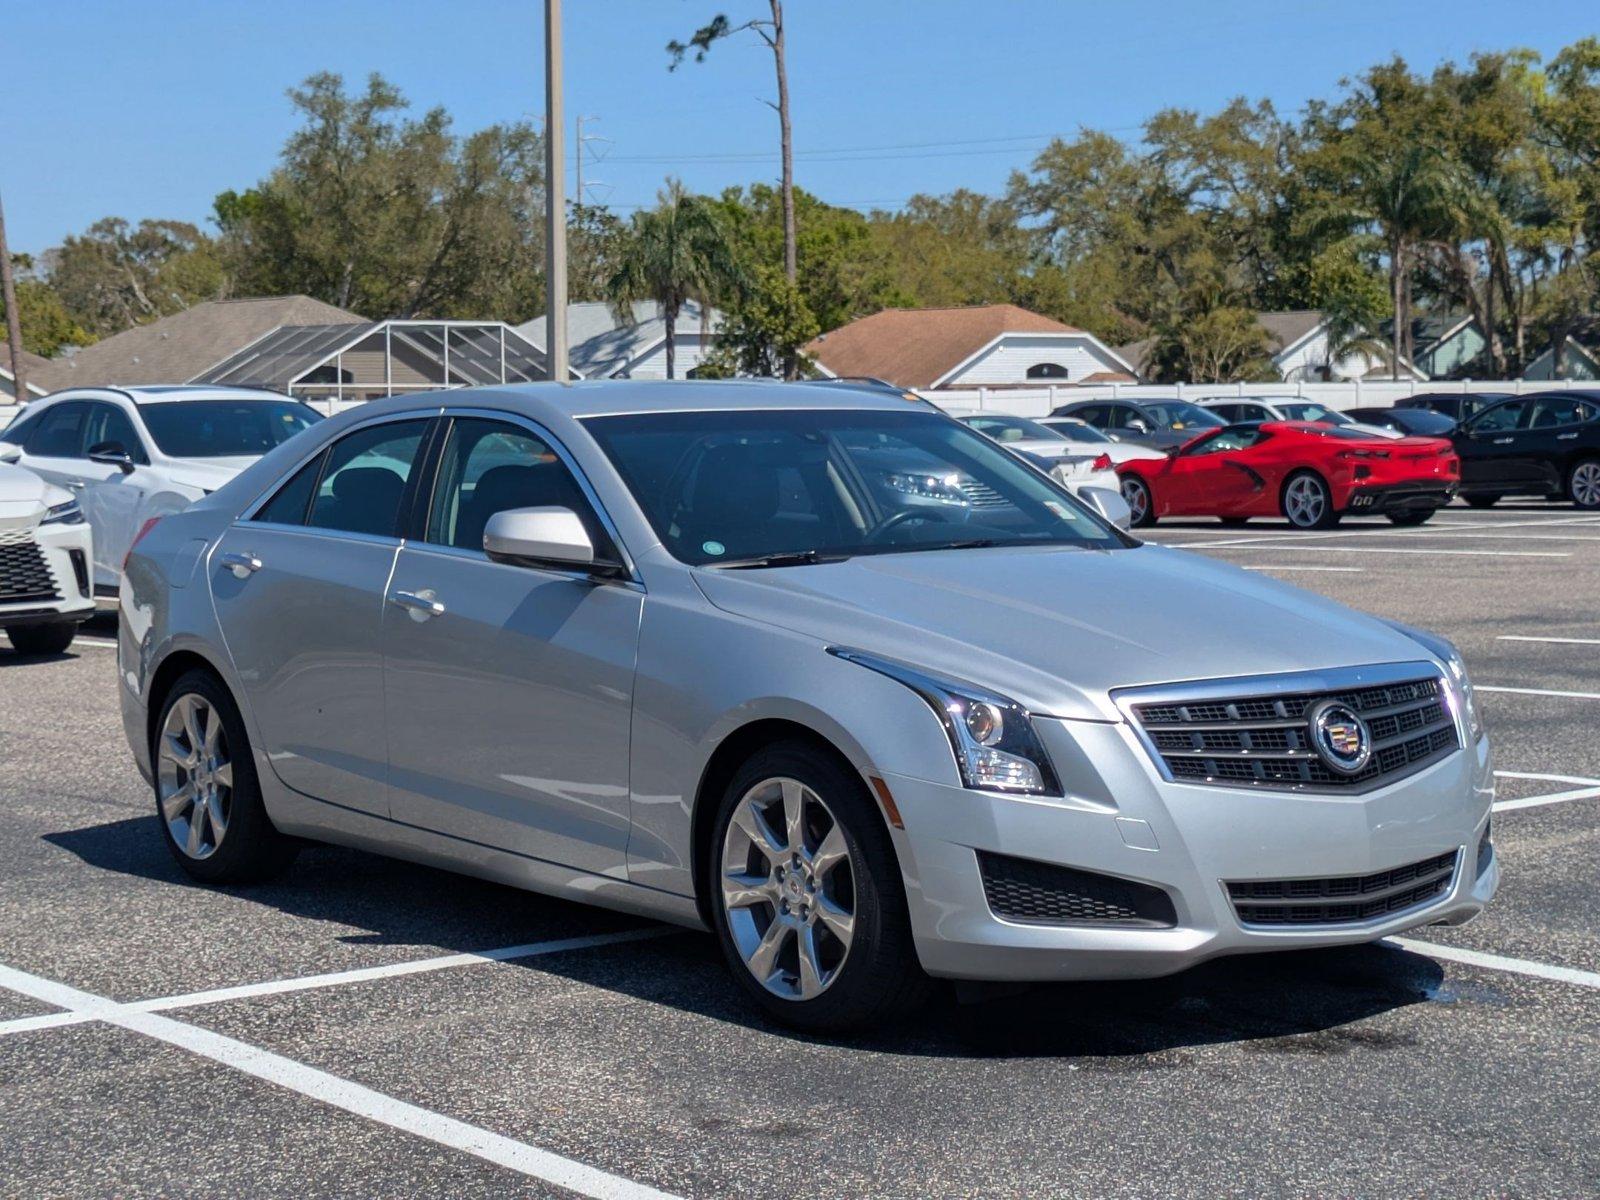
[[1121, 819], [1400, 497], [68, 559]]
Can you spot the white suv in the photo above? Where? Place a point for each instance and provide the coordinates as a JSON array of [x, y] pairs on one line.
[[44, 563], [131, 454]]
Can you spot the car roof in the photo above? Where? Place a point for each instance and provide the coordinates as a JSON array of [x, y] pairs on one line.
[[167, 393]]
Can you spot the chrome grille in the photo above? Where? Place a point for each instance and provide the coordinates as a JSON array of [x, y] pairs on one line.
[[24, 574], [1264, 740], [1342, 900]]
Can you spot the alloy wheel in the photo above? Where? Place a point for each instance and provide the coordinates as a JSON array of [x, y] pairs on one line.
[[1304, 502], [1137, 498], [1586, 485], [194, 776], [788, 888]]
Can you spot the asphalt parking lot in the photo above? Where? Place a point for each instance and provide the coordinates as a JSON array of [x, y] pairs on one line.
[[367, 1027]]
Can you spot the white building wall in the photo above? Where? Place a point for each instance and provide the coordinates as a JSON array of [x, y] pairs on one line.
[[1008, 360], [689, 350]]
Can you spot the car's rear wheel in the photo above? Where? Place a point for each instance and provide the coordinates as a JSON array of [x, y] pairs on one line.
[[42, 639], [1583, 483], [1482, 501], [1141, 509], [1307, 502], [1411, 516], [208, 799], [806, 893]]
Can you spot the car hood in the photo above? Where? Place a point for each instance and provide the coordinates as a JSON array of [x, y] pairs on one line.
[[1058, 628], [207, 474], [23, 493]]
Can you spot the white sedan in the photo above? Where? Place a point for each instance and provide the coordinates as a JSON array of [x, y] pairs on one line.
[[44, 563], [1087, 469], [130, 455]]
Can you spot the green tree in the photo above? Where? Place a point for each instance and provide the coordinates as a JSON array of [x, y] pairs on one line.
[[764, 333], [46, 324], [675, 252], [116, 275]]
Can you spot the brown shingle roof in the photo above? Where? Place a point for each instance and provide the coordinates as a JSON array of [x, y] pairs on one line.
[[914, 347], [175, 349], [32, 366]]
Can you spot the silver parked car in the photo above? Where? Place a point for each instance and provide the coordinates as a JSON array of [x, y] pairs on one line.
[[830, 674]]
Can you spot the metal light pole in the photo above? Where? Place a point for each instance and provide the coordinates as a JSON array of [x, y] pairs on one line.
[[8, 291], [555, 186]]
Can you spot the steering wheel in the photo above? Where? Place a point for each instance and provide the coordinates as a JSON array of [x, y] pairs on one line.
[[895, 520]]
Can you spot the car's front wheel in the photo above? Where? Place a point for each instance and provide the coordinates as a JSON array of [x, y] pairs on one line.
[[42, 639], [1141, 509], [1307, 502], [208, 799], [806, 891], [1488, 501]]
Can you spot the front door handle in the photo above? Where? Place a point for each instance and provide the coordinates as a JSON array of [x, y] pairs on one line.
[[1504, 441], [76, 485], [242, 565], [1565, 437], [421, 605]]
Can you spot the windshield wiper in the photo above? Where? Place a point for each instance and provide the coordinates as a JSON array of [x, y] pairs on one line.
[[792, 558]]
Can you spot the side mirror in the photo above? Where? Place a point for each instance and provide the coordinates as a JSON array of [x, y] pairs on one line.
[[10, 452], [540, 537], [1138, 426], [111, 454], [1109, 505]]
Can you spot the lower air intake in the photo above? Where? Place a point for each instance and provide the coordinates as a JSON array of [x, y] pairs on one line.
[[1036, 893], [1345, 899]]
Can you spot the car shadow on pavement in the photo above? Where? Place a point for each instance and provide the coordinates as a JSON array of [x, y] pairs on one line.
[[1298, 1002]]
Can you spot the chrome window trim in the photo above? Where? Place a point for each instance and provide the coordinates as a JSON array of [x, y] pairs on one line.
[[249, 511], [1330, 679], [571, 463]]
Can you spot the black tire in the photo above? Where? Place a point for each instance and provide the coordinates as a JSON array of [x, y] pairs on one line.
[[1327, 517], [1141, 515], [1482, 501], [42, 639], [1411, 516], [1581, 484], [1234, 522], [879, 976], [251, 849]]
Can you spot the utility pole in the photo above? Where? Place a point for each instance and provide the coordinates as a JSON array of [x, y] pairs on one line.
[[577, 163], [555, 190], [8, 290]]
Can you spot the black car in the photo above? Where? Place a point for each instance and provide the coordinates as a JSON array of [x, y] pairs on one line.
[[1160, 424], [1457, 406], [1542, 444], [1413, 422]]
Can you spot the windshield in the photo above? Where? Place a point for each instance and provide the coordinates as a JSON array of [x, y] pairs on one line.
[[1077, 431], [1012, 429], [1314, 412], [720, 487], [225, 428], [1182, 416]]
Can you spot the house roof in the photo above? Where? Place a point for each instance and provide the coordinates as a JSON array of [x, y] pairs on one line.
[[180, 347], [33, 366], [916, 347], [599, 346], [1285, 329]]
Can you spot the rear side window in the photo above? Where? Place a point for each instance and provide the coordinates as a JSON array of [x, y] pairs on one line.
[[365, 478], [17, 432], [1545, 412], [59, 433]]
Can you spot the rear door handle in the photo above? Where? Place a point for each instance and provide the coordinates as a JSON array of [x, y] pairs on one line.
[[242, 565], [1504, 441], [421, 605]]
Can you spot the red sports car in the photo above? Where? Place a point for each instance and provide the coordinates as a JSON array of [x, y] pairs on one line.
[[1312, 474]]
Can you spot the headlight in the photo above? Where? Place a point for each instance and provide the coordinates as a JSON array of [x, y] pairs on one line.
[[1456, 666], [944, 488], [63, 514], [992, 736]]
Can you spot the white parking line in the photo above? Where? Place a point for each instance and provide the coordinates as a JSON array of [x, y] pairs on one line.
[[1298, 567], [107, 643], [1588, 789], [339, 1093], [1516, 691], [300, 983], [1517, 637], [1282, 548], [1498, 962]]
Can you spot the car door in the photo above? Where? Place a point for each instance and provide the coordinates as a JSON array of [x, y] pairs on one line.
[[1127, 424], [113, 498], [54, 447], [509, 688], [1554, 427], [1487, 445], [1213, 477], [299, 586]]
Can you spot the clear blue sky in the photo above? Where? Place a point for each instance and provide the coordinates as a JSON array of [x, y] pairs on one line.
[[150, 107]]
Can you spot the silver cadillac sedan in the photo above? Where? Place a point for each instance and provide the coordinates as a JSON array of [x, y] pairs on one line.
[[832, 675]]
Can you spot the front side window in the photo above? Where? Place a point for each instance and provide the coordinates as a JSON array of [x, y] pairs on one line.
[[720, 487], [1013, 429], [364, 478], [16, 433], [108, 423], [59, 433], [225, 428], [1502, 418], [492, 466], [1181, 416]]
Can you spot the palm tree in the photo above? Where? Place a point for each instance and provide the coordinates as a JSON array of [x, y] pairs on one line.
[[676, 252]]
